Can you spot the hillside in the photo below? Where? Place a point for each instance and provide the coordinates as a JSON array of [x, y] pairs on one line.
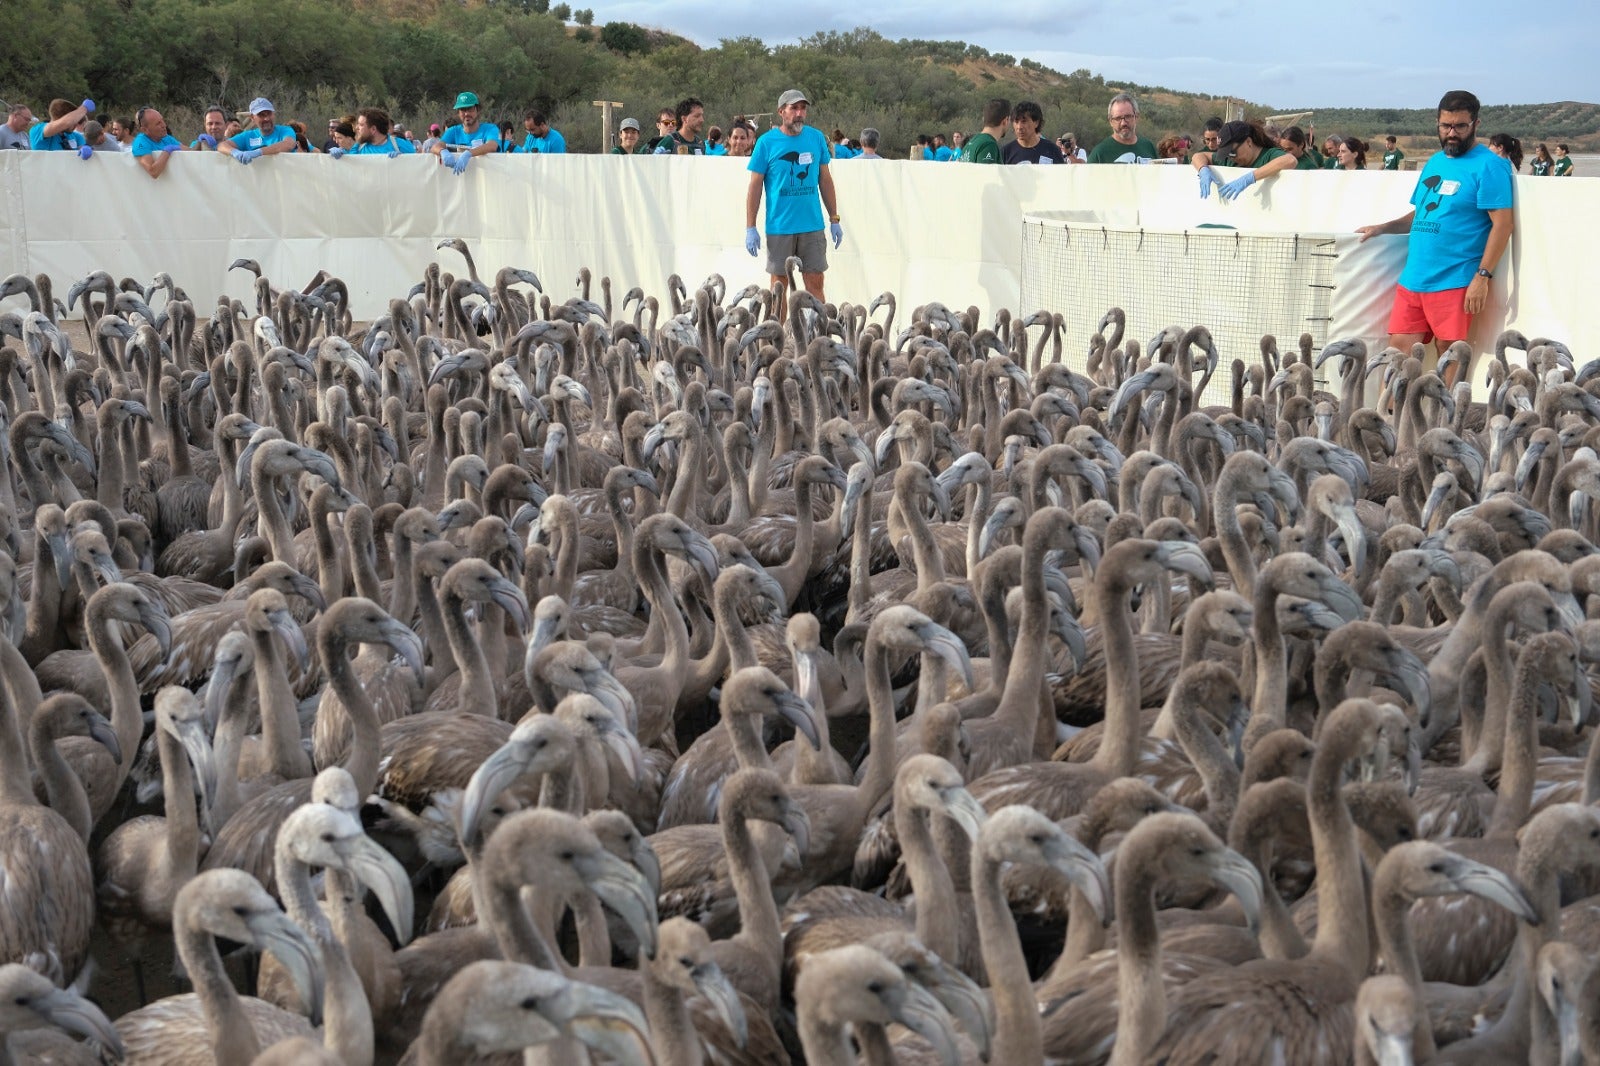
[[328, 57], [1576, 124]]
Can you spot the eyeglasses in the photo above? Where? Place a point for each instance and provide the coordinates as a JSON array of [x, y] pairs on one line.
[[1123, 118], [1455, 127]]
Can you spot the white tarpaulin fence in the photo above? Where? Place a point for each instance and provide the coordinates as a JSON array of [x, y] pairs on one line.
[[926, 232]]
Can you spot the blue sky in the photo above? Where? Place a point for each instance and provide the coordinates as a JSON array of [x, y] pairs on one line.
[[1361, 53]]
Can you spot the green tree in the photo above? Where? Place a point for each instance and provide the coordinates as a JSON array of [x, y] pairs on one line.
[[584, 17], [562, 12], [624, 37]]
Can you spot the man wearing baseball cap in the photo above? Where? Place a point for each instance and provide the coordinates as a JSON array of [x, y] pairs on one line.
[[628, 139], [468, 138], [790, 165], [267, 138]]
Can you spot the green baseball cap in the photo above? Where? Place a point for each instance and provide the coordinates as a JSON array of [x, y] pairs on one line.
[[466, 100]]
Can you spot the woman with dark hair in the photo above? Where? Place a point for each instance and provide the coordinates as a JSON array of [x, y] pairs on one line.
[[1353, 154], [1293, 141], [300, 138], [1542, 162], [1242, 144], [1508, 148]]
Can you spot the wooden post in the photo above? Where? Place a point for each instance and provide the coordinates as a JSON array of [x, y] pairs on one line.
[[605, 107]]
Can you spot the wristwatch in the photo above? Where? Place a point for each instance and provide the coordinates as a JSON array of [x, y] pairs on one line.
[[1482, 273]]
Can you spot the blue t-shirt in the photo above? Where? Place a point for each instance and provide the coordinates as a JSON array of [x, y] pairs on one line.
[[551, 143], [1453, 199], [944, 154], [393, 146], [143, 145], [60, 142], [792, 167], [457, 136], [256, 139], [716, 149], [843, 151]]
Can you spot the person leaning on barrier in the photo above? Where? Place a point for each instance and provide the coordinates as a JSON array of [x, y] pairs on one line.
[[374, 135], [1464, 197], [216, 122], [267, 138], [154, 144], [1243, 144], [60, 132], [541, 138], [1293, 141], [469, 137], [14, 131]]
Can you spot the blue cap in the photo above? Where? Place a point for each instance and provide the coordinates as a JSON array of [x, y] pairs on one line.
[[260, 104]]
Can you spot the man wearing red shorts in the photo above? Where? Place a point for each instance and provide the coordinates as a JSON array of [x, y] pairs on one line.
[[1459, 224]]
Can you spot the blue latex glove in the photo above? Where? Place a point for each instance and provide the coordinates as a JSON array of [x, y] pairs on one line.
[[752, 241], [88, 106], [85, 152], [209, 141], [247, 155], [1207, 177], [836, 231], [335, 152], [459, 162], [1232, 190]]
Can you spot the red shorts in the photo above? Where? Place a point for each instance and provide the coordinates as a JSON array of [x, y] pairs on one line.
[[1432, 314]]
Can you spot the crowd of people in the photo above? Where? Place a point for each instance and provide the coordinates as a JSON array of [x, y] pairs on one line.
[[1009, 134]]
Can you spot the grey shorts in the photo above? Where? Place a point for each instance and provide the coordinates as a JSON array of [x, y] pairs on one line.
[[812, 248]]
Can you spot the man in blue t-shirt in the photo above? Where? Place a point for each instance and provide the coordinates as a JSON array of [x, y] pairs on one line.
[[266, 138], [1459, 225], [375, 136], [469, 137], [153, 145], [789, 164], [216, 122], [60, 132], [541, 138]]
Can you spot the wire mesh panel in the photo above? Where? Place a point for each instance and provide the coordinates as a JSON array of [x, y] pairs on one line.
[[1239, 285]]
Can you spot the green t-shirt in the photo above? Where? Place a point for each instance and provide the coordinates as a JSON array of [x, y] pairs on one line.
[[1330, 162], [1539, 168], [1307, 162], [643, 149], [1563, 166], [1111, 150], [1268, 154], [1391, 159], [980, 148]]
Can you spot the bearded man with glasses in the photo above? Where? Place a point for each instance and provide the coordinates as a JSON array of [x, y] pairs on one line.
[[1459, 225]]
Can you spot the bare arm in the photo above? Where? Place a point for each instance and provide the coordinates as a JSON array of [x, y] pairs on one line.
[[155, 164], [752, 197], [66, 123], [1275, 166], [1500, 227], [1200, 160], [825, 187], [288, 144], [1392, 227], [489, 147]]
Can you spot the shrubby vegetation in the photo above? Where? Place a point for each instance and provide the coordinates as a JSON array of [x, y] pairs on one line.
[[317, 58]]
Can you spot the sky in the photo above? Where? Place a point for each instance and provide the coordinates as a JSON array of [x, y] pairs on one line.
[[1360, 53]]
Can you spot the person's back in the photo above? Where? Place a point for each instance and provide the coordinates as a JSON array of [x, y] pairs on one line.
[[984, 146]]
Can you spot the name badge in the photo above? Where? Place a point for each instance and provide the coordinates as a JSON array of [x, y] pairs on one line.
[[805, 158], [1449, 188]]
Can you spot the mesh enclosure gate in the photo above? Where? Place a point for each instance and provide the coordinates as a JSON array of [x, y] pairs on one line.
[[1239, 285]]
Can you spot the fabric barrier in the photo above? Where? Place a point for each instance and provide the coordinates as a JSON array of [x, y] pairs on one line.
[[948, 233]]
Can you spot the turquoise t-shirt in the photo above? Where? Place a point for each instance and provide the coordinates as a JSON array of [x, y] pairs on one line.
[[60, 142], [1453, 199], [143, 145], [255, 139], [551, 143], [393, 146], [792, 167], [944, 154], [716, 149], [457, 136]]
